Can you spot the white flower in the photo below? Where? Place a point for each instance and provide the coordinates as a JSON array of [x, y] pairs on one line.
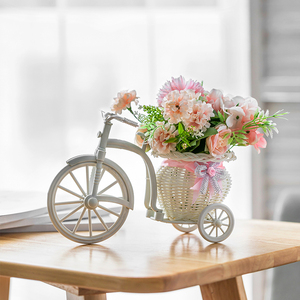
[[240, 110], [236, 114]]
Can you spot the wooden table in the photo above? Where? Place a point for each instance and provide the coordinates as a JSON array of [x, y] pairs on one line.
[[146, 256]]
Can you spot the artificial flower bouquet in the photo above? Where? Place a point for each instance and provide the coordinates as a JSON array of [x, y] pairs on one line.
[[190, 119], [196, 130]]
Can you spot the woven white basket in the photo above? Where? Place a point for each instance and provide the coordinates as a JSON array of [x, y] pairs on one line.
[[174, 189]]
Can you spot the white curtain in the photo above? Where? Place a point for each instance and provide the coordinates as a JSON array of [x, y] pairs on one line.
[[62, 63]]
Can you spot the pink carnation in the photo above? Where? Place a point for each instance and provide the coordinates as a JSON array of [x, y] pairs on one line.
[[178, 84], [256, 139], [123, 101], [175, 106], [198, 116], [162, 134], [218, 144]]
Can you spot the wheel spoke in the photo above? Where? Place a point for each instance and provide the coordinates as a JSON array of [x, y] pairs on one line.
[[208, 221], [211, 230], [221, 214], [210, 216], [108, 210], [108, 187], [208, 226], [68, 202], [101, 220], [90, 223], [224, 218], [222, 230], [71, 213], [79, 220], [87, 179], [92, 179], [77, 183], [70, 192], [216, 231]]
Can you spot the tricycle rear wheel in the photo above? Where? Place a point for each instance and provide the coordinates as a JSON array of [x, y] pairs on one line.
[[185, 227], [216, 222]]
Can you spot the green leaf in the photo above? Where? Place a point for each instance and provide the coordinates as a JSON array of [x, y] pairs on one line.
[[210, 131], [172, 140], [180, 128], [197, 144], [193, 143], [186, 141], [241, 136], [221, 117]]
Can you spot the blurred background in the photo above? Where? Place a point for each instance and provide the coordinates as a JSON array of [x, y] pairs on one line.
[[63, 61]]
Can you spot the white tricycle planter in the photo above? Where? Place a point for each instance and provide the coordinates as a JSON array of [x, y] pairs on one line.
[[81, 187]]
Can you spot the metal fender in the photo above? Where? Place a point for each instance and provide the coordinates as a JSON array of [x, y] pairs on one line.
[[91, 158]]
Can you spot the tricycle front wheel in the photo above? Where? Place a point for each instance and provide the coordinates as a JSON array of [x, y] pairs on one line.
[[216, 222], [81, 218]]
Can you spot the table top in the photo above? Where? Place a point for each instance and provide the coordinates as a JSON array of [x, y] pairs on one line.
[[149, 256]]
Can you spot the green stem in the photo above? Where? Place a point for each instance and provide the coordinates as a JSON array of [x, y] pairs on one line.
[[130, 109]]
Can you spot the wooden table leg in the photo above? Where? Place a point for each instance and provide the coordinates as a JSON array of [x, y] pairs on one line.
[[86, 297], [4, 287], [230, 289]]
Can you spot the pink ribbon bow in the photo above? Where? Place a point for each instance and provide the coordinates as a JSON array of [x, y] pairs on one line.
[[208, 176]]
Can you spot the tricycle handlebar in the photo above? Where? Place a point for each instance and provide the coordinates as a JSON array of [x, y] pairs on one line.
[[110, 116]]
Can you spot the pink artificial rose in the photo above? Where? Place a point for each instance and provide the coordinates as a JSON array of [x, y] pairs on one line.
[[178, 84], [211, 171], [218, 144], [215, 98], [162, 134], [123, 101], [256, 139], [139, 140]]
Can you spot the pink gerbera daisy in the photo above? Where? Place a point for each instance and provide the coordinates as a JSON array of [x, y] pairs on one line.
[[179, 84]]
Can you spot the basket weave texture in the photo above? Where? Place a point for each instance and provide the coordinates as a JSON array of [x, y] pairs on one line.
[[176, 197]]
